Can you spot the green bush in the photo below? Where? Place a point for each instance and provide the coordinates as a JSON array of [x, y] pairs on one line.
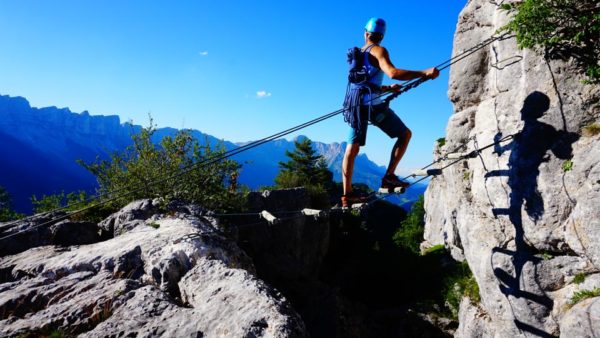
[[561, 28], [410, 234], [460, 283], [71, 201], [178, 168], [6, 211]]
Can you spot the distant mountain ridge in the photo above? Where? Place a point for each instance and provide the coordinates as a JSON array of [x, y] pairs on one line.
[[40, 147]]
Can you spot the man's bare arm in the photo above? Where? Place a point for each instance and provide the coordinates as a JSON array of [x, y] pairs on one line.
[[383, 57]]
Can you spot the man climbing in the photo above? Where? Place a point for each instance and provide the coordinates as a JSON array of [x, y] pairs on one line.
[[363, 105]]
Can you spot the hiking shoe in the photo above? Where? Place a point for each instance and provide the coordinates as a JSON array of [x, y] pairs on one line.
[[391, 183], [349, 199]]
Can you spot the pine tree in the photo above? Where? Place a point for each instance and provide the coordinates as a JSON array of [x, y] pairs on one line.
[[304, 168], [307, 169]]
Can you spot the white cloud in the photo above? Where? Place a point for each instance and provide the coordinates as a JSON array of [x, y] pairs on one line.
[[262, 94], [203, 53]]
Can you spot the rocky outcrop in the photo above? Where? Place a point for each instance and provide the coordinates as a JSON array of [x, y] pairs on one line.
[[171, 274], [294, 247], [46, 229], [523, 214]]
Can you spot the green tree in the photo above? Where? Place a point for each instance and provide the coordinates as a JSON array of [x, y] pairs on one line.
[[179, 167], [305, 168], [6, 212], [71, 201], [561, 29], [410, 234]]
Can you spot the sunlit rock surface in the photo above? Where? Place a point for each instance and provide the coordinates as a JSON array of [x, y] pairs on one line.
[[171, 275], [523, 214]]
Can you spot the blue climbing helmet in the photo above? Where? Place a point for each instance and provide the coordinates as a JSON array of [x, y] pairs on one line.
[[375, 25]]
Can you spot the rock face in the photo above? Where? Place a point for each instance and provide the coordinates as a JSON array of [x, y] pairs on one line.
[[523, 214], [46, 229], [168, 275]]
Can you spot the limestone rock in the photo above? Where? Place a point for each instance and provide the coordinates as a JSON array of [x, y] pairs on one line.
[[279, 200], [172, 276], [130, 217], [291, 249], [523, 214], [582, 320], [32, 232], [68, 233]]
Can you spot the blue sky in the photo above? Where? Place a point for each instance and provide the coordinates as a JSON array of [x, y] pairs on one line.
[[238, 70]]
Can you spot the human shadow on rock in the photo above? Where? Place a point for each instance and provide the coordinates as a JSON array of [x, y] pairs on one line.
[[534, 145]]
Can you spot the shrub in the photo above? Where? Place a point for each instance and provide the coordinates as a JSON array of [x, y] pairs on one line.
[[410, 234], [461, 283], [71, 201], [561, 28], [6, 212], [177, 168], [441, 141]]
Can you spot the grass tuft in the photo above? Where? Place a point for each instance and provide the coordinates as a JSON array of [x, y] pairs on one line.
[[435, 249], [584, 294], [591, 130], [579, 278], [466, 175], [567, 166]]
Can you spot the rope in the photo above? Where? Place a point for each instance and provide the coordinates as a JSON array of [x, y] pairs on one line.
[[406, 86], [376, 196], [464, 54], [373, 194]]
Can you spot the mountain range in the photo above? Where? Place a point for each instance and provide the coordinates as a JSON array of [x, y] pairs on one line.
[[40, 147]]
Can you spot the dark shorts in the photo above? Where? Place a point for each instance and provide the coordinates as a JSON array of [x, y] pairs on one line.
[[382, 117]]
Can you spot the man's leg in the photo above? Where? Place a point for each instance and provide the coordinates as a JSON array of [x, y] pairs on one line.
[[348, 166], [398, 151]]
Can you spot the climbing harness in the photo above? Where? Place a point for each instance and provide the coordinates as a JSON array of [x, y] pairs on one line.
[[105, 198]]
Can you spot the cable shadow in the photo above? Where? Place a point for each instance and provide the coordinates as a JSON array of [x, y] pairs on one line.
[[530, 148]]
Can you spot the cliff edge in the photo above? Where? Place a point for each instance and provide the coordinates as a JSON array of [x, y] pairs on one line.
[[524, 213]]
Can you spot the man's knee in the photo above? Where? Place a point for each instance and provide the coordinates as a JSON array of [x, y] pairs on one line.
[[407, 135]]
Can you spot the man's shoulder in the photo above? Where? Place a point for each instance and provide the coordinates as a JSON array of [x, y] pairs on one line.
[[377, 49]]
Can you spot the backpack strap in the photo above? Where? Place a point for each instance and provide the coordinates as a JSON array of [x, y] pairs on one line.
[[369, 47], [366, 55]]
